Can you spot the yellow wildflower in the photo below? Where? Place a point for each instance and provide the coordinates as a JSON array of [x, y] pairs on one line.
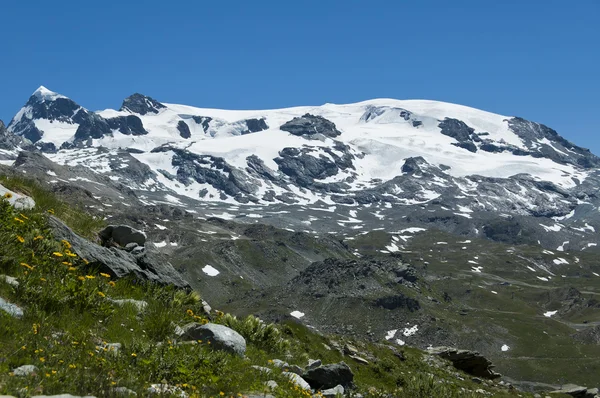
[[24, 216], [72, 269], [24, 347], [81, 278], [66, 263], [221, 393], [57, 254], [72, 366], [70, 253], [50, 211], [111, 283], [20, 239], [38, 237], [19, 220], [101, 294], [43, 279], [133, 354], [190, 312], [54, 372], [26, 266], [104, 275], [42, 359], [7, 195], [66, 244], [90, 277]]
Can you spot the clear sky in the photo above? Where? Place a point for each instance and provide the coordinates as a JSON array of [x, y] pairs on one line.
[[538, 59]]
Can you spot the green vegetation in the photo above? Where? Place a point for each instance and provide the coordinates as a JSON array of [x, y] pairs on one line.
[[70, 325]]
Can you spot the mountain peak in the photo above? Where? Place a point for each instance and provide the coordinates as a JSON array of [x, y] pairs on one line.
[[141, 104], [44, 94]]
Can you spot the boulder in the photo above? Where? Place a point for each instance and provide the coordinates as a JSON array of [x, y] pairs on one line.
[[166, 390], [576, 391], [9, 280], [11, 309], [329, 376], [18, 201], [468, 361], [123, 235], [297, 380], [148, 265], [309, 125], [25, 370], [313, 363], [333, 392], [220, 337]]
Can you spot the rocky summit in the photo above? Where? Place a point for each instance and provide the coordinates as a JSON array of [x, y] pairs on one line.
[[404, 223]]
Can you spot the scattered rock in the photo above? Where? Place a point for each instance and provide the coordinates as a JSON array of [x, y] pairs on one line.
[[359, 359], [220, 337], [333, 392], [113, 348], [296, 369], [314, 363], [329, 376], [297, 380], [468, 361], [25, 370], [124, 391], [139, 304], [11, 309], [350, 349], [10, 280], [123, 235], [577, 391], [166, 390], [278, 363], [18, 201], [148, 265], [271, 384]]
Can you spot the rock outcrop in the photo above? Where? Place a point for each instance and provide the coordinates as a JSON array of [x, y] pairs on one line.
[[468, 361], [220, 337]]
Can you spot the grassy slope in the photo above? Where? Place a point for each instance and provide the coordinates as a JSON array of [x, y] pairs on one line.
[[68, 320]]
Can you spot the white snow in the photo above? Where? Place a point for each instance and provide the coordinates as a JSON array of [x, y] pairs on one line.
[[542, 278], [407, 332], [559, 261], [160, 244], [390, 334], [549, 314], [297, 314], [561, 248], [505, 348], [210, 270]]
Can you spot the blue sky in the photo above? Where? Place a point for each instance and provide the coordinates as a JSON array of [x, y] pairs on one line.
[[538, 59]]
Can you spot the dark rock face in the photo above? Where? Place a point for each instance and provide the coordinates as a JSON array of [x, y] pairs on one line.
[[589, 335], [412, 165], [398, 301], [212, 170], [204, 121], [184, 129], [255, 125], [329, 376], [122, 235], [128, 125], [304, 168], [462, 133], [470, 362], [94, 127], [145, 264], [532, 132], [141, 104], [9, 141], [309, 125], [220, 337]]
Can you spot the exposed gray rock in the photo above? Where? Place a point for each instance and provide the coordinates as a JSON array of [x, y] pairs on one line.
[[468, 361], [11, 309], [220, 337], [329, 376], [9, 280], [148, 265], [359, 359], [262, 369], [297, 380], [576, 391], [25, 370], [184, 129], [166, 389], [309, 125], [278, 363], [296, 369], [124, 391], [333, 392], [271, 384], [141, 104], [140, 305], [313, 363], [123, 235], [128, 125], [18, 201]]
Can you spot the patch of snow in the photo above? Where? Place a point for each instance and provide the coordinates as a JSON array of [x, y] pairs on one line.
[[210, 270], [505, 348], [407, 332], [297, 314], [390, 334], [549, 314]]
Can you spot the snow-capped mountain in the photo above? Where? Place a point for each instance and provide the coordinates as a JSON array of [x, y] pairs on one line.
[[372, 164]]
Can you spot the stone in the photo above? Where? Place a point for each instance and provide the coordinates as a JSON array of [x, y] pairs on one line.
[[18, 201], [329, 376], [297, 380], [131, 246], [350, 349], [166, 390], [9, 280], [123, 391], [575, 391], [11, 309], [140, 305], [149, 265], [220, 337], [25, 370], [309, 125], [141, 104], [296, 369], [278, 363], [359, 359], [314, 363], [113, 348], [468, 361], [122, 235], [271, 384], [333, 392], [262, 369]]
